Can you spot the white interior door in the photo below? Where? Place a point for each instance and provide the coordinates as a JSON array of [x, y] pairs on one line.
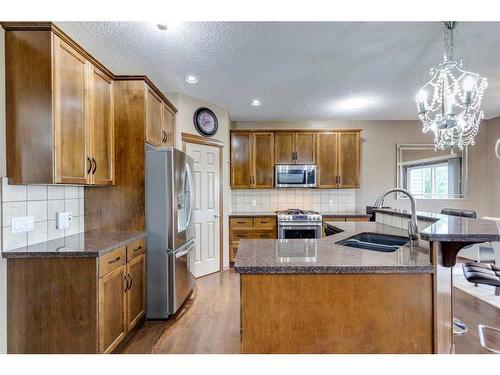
[[205, 258]]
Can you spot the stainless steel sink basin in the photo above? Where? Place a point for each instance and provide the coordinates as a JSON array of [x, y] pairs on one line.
[[374, 241]]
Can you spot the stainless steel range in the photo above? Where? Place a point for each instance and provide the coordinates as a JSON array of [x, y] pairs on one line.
[[295, 223]]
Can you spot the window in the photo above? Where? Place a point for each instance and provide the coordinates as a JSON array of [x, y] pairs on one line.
[[428, 181]]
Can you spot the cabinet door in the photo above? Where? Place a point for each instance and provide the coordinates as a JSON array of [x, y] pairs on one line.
[[348, 151], [283, 148], [136, 295], [263, 160], [168, 127], [241, 160], [70, 114], [112, 309], [102, 128], [305, 146], [154, 108], [326, 160]]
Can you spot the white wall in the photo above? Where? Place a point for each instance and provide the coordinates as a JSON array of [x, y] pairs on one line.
[[3, 171], [378, 160], [186, 106], [493, 135]]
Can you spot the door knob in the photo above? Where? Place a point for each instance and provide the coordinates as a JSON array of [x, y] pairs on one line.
[[216, 215]]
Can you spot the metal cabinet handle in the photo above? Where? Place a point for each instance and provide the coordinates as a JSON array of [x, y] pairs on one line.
[[114, 260], [126, 284], [137, 249], [340, 180], [129, 278], [90, 165], [95, 166]]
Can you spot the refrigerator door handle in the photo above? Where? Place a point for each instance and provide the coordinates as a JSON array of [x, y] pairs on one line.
[[191, 195], [184, 252]]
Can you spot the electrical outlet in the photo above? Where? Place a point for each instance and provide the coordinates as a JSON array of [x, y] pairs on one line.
[[22, 224], [330, 203], [63, 219], [254, 203]]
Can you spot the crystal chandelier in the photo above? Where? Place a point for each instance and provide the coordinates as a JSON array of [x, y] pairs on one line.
[[449, 104]]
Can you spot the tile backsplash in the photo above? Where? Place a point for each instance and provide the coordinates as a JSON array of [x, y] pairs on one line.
[[322, 200], [42, 203]]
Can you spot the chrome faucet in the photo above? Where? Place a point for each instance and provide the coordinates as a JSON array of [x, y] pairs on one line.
[[412, 224]]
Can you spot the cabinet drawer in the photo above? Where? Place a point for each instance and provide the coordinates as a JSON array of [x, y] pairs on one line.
[[264, 222], [241, 222], [135, 249], [264, 234], [242, 234], [112, 260]]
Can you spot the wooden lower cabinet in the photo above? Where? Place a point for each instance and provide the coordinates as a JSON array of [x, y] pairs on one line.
[[112, 309], [75, 305], [246, 228]]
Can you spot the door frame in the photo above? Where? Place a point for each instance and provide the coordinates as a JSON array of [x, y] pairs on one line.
[[196, 139]]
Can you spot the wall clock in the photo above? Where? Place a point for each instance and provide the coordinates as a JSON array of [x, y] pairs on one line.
[[205, 122]]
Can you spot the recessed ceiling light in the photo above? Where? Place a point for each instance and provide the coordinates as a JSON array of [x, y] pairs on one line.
[[167, 26], [255, 102], [191, 79], [356, 103]]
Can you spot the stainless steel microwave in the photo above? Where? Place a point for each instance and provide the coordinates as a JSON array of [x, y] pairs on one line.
[[291, 175]]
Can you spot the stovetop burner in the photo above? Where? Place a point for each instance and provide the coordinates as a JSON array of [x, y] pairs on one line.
[[295, 214]]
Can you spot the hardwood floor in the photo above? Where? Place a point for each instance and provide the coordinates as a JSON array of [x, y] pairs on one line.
[[209, 322]]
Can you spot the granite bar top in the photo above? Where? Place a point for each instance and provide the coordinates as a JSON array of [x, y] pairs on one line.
[[446, 228], [325, 256], [83, 245], [273, 213]]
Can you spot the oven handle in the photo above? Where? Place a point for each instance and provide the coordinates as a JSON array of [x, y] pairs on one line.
[[299, 226]]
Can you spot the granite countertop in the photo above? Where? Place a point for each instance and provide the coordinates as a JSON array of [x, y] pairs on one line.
[[83, 245], [273, 213], [446, 228], [325, 256]]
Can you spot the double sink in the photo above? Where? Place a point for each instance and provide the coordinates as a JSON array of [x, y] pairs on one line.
[[374, 241]]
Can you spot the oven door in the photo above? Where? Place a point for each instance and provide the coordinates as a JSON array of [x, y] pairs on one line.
[[299, 231]]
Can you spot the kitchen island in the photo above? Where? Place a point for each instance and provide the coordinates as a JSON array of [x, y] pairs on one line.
[[317, 296]]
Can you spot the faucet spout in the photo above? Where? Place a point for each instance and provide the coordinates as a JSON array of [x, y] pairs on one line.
[[412, 224]]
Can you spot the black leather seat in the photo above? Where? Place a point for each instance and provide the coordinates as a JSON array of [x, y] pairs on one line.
[[462, 213], [482, 273]]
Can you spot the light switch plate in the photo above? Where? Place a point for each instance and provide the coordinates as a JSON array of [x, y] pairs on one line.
[[330, 203], [254, 203], [22, 224], [63, 219]]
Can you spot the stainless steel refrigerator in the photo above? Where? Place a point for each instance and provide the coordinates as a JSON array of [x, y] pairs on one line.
[[169, 223]]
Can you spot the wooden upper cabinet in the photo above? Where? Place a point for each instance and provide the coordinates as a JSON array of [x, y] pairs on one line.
[[348, 159], [241, 160], [102, 128], [168, 127], [136, 294], [326, 160], [154, 110], [70, 114], [263, 160], [59, 110], [295, 147], [305, 147], [112, 309], [284, 148]]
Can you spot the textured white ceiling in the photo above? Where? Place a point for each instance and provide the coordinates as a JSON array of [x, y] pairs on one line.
[[298, 70]]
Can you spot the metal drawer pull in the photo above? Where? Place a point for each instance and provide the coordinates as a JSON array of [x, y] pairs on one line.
[[95, 166], [137, 249], [114, 260], [90, 165]]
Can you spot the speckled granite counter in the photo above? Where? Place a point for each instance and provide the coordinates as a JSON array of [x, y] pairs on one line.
[[83, 245], [452, 228], [273, 213], [252, 213], [325, 256]]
